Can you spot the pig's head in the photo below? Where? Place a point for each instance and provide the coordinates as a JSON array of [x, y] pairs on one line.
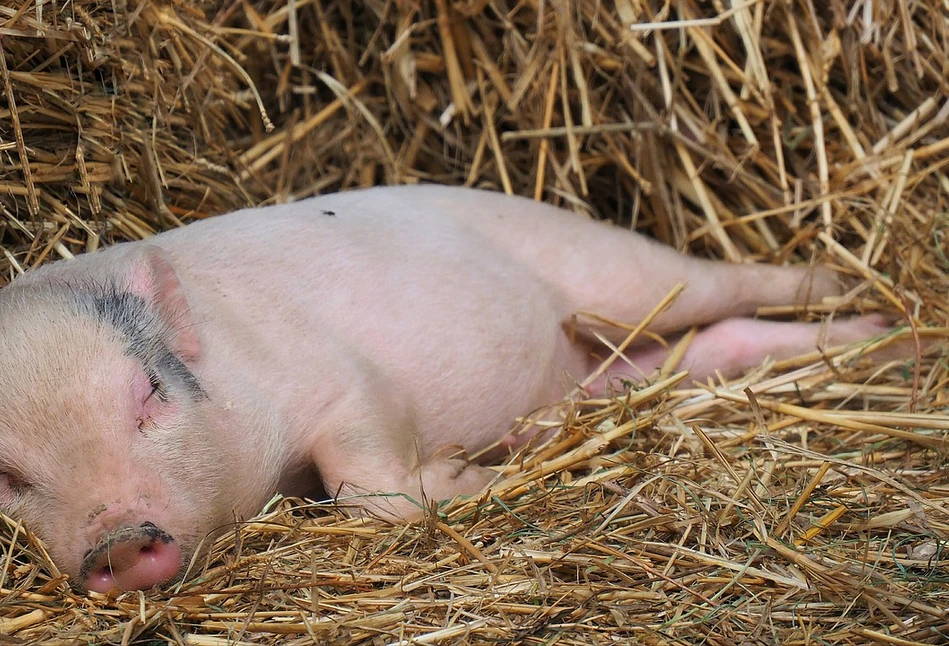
[[112, 449]]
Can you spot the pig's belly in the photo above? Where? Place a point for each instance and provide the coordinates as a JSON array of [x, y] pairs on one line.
[[471, 354]]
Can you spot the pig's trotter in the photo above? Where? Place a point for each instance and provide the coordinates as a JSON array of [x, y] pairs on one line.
[[446, 478], [388, 479], [403, 497]]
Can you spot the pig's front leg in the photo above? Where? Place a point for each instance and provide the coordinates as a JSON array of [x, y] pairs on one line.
[[379, 470], [372, 458]]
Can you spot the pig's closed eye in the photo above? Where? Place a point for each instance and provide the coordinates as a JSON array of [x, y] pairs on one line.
[[158, 388], [152, 397]]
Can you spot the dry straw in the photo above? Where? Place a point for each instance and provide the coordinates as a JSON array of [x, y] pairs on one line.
[[805, 503]]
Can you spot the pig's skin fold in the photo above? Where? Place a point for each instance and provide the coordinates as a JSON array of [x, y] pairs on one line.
[[361, 335]]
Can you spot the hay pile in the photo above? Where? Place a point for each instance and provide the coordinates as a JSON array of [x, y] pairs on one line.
[[812, 508]]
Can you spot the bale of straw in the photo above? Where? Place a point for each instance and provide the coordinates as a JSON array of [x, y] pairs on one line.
[[805, 502]]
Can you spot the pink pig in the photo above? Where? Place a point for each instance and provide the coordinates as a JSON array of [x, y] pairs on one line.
[[151, 392]]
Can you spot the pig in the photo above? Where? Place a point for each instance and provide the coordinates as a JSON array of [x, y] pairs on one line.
[[359, 344]]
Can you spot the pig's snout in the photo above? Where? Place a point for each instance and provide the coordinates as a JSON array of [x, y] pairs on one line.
[[131, 558]]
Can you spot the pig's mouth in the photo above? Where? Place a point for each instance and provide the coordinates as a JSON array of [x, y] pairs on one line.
[[131, 558]]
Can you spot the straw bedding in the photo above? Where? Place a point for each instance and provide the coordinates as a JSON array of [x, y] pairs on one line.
[[804, 503]]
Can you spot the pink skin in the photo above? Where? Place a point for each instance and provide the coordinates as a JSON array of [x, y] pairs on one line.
[[137, 557], [133, 561], [363, 335]]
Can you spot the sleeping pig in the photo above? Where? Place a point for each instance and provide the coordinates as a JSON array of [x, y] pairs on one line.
[[152, 391]]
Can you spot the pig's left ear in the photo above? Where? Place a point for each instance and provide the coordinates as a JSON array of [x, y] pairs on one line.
[[153, 279]]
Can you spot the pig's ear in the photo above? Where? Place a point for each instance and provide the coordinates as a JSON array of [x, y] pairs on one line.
[[153, 279]]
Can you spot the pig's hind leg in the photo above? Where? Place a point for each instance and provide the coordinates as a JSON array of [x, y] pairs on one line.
[[733, 346], [625, 277], [621, 275]]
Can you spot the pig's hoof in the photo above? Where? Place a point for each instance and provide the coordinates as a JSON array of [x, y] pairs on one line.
[[436, 480], [446, 479], [132, 558]]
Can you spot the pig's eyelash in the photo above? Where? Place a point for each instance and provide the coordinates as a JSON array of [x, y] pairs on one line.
[[158, 388]]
